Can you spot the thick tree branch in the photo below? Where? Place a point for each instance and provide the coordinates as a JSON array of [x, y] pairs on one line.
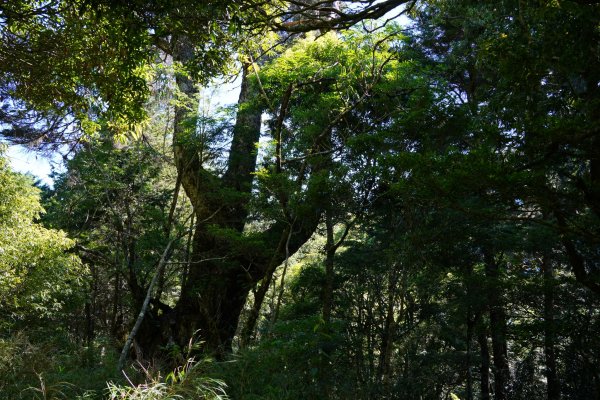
[[312, 15]]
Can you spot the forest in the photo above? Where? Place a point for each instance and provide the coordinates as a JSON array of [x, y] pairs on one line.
[[401, 202]]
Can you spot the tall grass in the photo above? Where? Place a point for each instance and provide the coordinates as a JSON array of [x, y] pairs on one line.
[[183, 383], [55, 368]]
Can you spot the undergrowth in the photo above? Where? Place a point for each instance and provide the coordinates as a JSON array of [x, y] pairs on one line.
[[54, 368]]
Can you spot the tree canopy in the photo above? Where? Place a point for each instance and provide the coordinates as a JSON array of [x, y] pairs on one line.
[[395, 208]]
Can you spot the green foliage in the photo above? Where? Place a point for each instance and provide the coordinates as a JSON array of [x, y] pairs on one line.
[[115, 200], [56, 368], [462, 153], [289, 363], [44, 365], [185, 382], [39, 279], [72, 66], [96, 64]]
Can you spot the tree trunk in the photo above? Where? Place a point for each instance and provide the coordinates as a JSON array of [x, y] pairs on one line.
[[484, 371], [144, 308], [223, 265], [387, 338], [216, 285], [89, 323], [469, 338], [221, 271], [472, 317], [115, 323], [282, 280], [259, 297], [553, 384], [497, 328], [329, 273]]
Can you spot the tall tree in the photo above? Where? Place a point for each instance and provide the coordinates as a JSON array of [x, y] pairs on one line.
[[196, 36]]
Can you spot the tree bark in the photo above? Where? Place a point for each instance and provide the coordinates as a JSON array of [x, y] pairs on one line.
[[553, 384], [114, 318], [472, 317], [387, 337], [282, 281], [216, 286], [221, 271], [576, 260], [469, 338], [497, 328], [259, 296], [329, 264], [484, 370], [144, 309]]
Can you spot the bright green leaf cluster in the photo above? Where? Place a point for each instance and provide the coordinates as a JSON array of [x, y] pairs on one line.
[[38, 277]]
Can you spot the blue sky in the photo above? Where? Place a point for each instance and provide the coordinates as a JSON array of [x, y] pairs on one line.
[[26, 161]]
